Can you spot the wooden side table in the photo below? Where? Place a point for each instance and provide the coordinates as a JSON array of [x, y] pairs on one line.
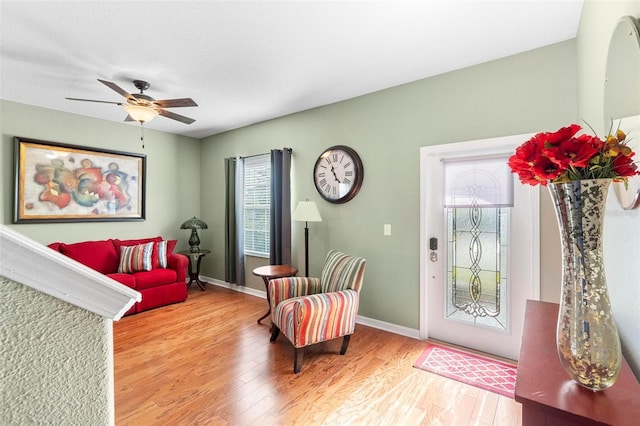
[[547, 394], [270, 272], [195, 257]]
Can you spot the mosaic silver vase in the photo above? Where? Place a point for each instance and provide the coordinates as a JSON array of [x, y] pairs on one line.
[[587, 338]]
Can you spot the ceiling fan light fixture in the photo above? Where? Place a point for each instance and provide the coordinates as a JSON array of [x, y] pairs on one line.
[[140, 113], [143, 108]]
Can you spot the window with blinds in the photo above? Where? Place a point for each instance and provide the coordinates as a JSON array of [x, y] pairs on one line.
[[257, 202]]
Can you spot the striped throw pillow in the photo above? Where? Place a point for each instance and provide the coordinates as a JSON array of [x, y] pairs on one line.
[[135, 258], [160, 254]]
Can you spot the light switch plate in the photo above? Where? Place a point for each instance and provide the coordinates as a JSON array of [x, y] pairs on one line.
[[387, 229]]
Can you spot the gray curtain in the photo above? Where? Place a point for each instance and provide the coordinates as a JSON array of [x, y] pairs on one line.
[[280, 226], [234, 221]]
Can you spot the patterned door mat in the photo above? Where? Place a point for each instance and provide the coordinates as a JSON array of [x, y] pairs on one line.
[[472, 369]]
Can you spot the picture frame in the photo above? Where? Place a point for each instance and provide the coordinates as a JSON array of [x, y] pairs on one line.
[[57, 182]]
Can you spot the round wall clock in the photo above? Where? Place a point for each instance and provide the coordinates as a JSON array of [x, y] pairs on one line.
[[338, 174]]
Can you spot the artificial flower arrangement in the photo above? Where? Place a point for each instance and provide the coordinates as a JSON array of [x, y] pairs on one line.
[[562, 157]]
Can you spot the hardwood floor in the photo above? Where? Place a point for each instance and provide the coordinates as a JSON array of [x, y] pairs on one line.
[[207, 362]]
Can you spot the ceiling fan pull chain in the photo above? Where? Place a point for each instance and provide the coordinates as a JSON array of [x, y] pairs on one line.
[[142, 134]]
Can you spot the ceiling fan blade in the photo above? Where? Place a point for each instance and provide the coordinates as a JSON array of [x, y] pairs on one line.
[[176, 103], [129, 118], [116, 88], [93, 100], [174, 116]]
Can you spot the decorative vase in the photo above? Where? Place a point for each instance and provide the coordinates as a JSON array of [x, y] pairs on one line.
[[587, 338]]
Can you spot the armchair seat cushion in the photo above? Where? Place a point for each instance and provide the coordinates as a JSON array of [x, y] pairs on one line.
[[317, 318]]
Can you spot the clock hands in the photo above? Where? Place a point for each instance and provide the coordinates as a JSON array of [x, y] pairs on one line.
[[333, 170]]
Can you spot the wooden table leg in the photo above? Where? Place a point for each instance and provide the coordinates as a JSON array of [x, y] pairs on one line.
[[195, 276], [266, 285]]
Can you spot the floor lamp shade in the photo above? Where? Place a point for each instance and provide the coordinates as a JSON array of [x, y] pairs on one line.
[[306, 212]]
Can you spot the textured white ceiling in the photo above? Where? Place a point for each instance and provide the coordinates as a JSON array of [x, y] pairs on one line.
[[248, 61]]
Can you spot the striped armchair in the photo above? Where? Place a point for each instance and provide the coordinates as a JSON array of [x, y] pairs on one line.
[[313, 310]]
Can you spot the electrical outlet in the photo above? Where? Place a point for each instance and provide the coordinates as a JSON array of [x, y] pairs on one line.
[[387, 229]]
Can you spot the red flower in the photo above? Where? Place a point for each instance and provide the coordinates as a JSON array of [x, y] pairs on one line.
[[527, 177], [593, 141], [624, 166], [562, 134], [529, 151], [572, 152], [561, 156], [546, 170]]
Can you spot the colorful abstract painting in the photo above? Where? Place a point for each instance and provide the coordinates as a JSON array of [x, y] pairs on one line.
[[58, 183]]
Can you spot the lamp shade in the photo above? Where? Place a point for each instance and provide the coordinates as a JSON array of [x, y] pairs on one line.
[[193, 223], [140, 113], [306, 211]]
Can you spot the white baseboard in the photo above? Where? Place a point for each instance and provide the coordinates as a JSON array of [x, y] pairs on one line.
[[370, 322], [240, 288], [390, 327]]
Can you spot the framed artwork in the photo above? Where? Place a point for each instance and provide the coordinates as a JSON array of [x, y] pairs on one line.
[[57, 182]]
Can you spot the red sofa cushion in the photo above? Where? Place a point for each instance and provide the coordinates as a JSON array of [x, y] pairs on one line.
[[171, 244], [55, 246], [154, 278], [119, 243], [126, 279], [98, 255], [162, 295]]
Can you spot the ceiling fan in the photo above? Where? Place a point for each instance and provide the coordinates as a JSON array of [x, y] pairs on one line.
[[143, 108]]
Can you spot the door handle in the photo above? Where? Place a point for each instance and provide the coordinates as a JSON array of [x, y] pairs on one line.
[[433, 246]]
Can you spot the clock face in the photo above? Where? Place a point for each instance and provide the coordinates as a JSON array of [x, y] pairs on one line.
[[338, 174]]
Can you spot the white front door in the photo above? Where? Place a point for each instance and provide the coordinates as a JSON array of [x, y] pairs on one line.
[[478, 265]]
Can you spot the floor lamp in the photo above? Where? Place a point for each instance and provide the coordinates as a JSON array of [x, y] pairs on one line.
[[306, 212]]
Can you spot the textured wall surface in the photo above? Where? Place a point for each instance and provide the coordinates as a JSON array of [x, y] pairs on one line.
[[55, 361]]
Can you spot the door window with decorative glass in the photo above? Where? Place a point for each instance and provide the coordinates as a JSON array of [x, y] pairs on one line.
[[478, 197]]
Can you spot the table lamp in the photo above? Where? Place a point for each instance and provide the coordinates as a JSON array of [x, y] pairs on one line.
[[194, 224], [306, 212]]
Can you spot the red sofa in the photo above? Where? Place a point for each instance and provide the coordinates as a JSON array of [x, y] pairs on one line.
[[152, 269]]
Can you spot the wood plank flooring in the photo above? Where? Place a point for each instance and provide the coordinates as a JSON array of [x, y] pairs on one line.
[[207, 362]]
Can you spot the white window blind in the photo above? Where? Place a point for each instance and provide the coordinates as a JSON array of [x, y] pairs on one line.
[[478, 182], [257, 202]]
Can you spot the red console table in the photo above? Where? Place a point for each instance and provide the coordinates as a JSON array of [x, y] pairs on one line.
[[547, 394]]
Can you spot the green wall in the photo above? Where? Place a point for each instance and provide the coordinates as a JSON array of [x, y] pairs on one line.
[[173, 180], [525, 93]]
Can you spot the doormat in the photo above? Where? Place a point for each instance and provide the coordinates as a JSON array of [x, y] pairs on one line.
[[472, 369]]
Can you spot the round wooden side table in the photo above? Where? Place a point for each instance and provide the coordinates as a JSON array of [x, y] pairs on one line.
[[270, 272]]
